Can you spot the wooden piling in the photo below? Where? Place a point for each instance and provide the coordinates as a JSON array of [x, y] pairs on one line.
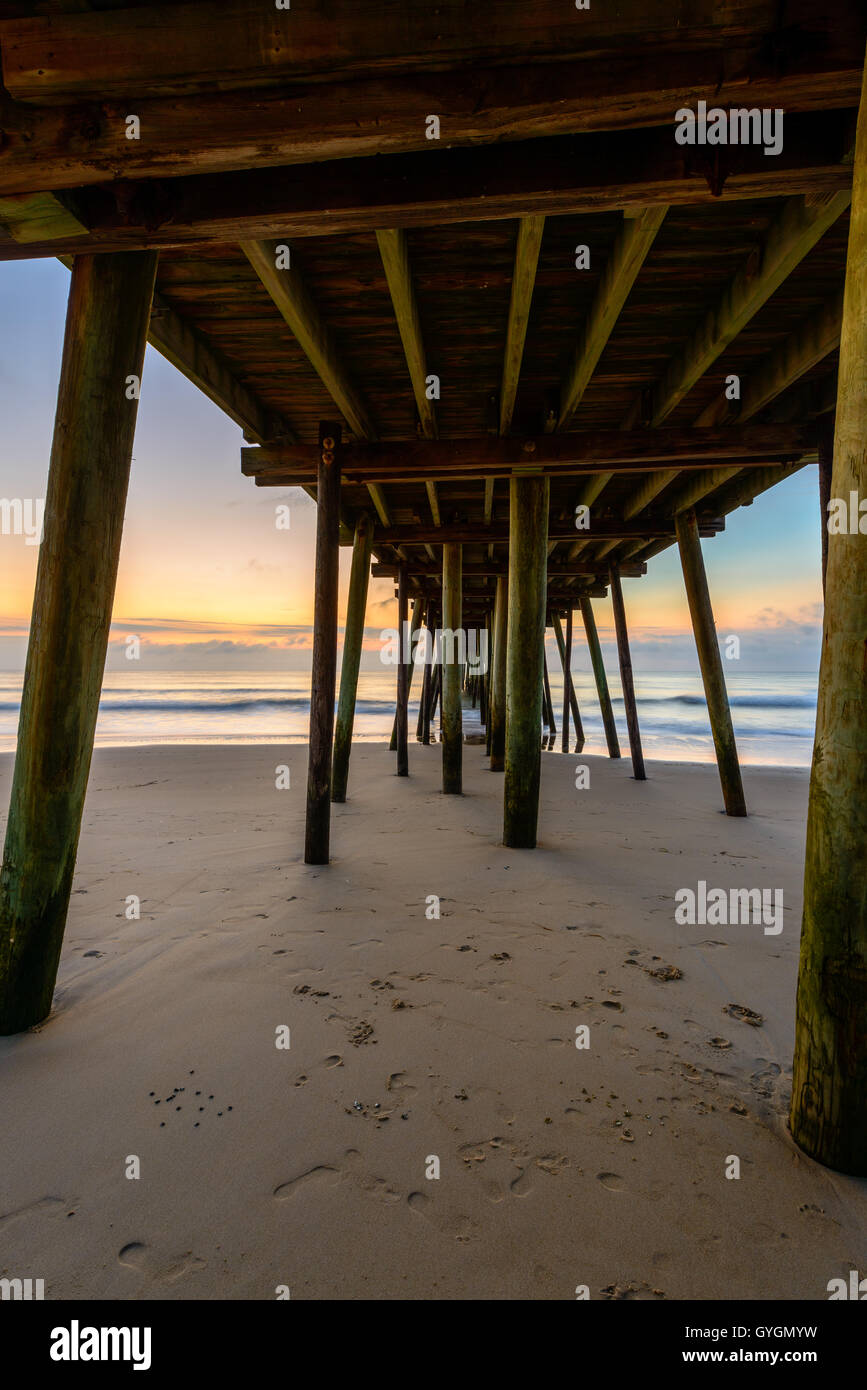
[[528, 562], [829, 1082], [600, 677], [567, 683], [318, 826], [405, 649], [710, 661], [452, 718], [423, 727], [106, 331], [418, 609], [353, 638], [626, 674], [568, 689], [826, 464], [547, 702], [498, 677]]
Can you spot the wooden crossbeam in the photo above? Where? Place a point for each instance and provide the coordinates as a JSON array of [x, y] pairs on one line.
[[579, 174], [467, 534], [530, 232], [160, 49], [489, 568], [616, 450], [55, 147], [627, 257]]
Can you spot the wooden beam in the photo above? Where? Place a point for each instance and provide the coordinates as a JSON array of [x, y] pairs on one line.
[[570, 698], [494, 568], [104, 343], [828, 1116], [29, 217], [635, 451], [498, 676], [529, 500], [578, 175], [405, 652], [452, 718], [317, 836], [393, 249], [710, 661], [56, 147], [161, 49], [626, 681], [294, 302], [796, 230], [628, 255], [530, 230], [353, 639], [468, 534]]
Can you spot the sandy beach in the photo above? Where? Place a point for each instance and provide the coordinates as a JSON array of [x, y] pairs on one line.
[[414, 1037]]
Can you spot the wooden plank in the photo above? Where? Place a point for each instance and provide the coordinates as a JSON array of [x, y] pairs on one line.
[[296, 305], [395, 261], [495, 568], [39, 217], [530, 230], [710, 661], [468, 534], [621, 271], [626, 451], [154, 50], [106, 332], [57, 147], [317, 835], [578, 175]]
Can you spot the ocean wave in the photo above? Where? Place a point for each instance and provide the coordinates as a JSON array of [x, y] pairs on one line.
[[736, 701]]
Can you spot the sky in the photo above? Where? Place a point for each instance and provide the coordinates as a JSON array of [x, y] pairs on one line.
[[208, 582]]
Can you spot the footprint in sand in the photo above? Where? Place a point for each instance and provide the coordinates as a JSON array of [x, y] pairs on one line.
[[335, 1060], [46, 1205], [321, 1176], [459, 1227], [137, 1256], [612, 1181]]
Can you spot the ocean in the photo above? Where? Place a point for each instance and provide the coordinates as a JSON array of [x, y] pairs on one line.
[[774, 715]]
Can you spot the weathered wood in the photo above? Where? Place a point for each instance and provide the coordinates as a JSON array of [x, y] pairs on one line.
[[162, 49], [530, 230], [710, 661], [621, 271], [600, 677], [104, 344], [395, 261], [317, 835], [576, 175], [620, 451], [547, 702], [829, 1081], [39, 217], [451, 715], [570, 697], [657, 529], [405, 653], [494, 568], [799, 225], [353, 638], [498, 676], [295, 303], [826, 468], [418, 612], [525, 658], [54, 147], [626, 681]]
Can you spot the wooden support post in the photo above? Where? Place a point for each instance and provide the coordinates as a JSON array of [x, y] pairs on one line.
[[498, 677], [826, 462], [353, 637], [626, 674], [318, 828], [103, 348], [525, 657], [709, 658], [486, 686], [548, 703], [423, 726], [600, 678], [405, 650], [829, 1081], [452, 719], [568, 687], [567, 682], [418, 609]]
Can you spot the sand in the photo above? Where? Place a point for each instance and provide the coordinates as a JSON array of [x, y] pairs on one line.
[[414, 1038]]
